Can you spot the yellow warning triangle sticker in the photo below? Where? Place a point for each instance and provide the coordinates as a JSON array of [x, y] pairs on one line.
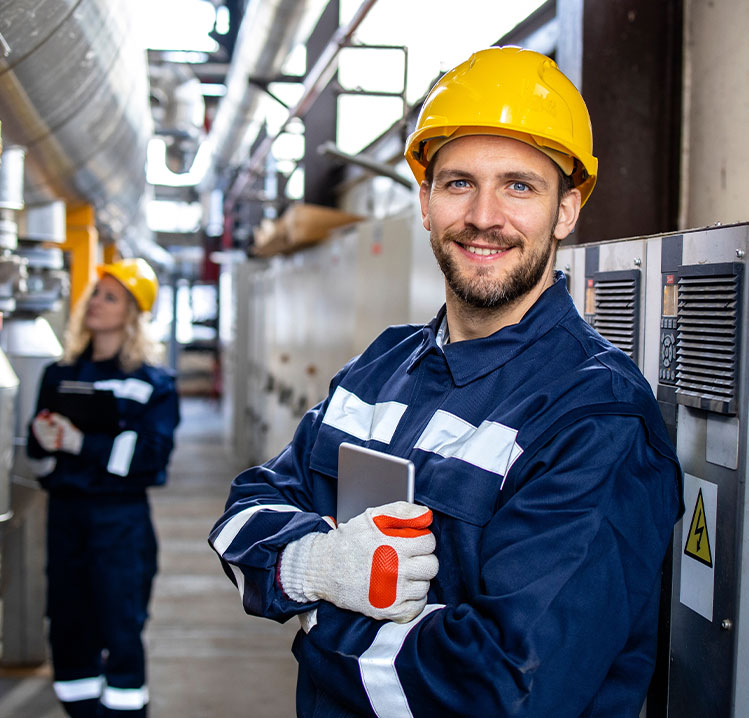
[[698, 541]]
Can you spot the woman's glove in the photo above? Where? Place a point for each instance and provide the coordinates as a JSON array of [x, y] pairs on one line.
[[379, 563], [45, 432], [56, 432]]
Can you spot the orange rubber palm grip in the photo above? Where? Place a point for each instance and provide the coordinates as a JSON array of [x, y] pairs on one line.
[[383, 577]]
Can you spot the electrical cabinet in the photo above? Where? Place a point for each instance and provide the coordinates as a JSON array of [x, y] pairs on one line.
[[677, 305]]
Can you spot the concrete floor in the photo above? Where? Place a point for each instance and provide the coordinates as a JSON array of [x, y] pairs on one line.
[[206, 657]]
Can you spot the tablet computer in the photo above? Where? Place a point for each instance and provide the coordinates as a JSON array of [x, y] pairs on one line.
[[367, 477]]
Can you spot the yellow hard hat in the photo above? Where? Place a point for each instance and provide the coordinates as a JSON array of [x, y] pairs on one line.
[[511, 92], [137, 277]]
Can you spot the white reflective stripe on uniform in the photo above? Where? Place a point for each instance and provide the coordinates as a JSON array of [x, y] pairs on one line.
[[350, 414], [124, 699], [239, 578], [42, 467], [135, 389], [81, 689], [491, 446], [123, 449], [235, 523], [377, 668]]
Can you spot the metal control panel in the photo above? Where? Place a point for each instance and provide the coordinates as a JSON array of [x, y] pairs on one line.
[[667, 369], [688, 310]]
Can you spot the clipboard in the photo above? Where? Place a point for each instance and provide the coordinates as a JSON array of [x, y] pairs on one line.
[[93, 411], [367, 477]]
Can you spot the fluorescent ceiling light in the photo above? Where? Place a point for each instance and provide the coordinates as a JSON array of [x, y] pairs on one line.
[[187, 56], [213, 89], [179, 25]]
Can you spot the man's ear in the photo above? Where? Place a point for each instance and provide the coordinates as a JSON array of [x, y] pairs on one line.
[[424, 190], [569, 211]]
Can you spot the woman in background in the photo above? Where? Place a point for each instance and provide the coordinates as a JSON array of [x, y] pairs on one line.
[[103, 432]]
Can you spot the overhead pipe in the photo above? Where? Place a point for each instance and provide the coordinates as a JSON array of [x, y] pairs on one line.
[[315, 82], [74, 92], [264, 40], [380, 168]]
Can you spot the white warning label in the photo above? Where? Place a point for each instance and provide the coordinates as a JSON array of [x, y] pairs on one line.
[[698, 545]]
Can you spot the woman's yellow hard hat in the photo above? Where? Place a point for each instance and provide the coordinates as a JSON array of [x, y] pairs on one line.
[[512, 92], [137, 277]]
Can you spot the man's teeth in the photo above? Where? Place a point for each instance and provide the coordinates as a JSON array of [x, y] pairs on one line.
[[483, 251]]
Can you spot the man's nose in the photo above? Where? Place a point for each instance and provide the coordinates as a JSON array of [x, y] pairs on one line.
[[485, 210]]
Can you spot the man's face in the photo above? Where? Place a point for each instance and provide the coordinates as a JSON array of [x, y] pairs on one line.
[[494, 218]]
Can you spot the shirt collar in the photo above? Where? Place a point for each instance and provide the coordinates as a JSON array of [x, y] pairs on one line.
[[473, 358], [443, 333]]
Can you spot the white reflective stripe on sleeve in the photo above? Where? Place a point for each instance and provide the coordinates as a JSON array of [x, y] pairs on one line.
[[235, 523], [42, 467], [124, 699], [239, 578], [123, 449], [348, 413], [491, 446], [377, 668], [81, 689], [135, 389]]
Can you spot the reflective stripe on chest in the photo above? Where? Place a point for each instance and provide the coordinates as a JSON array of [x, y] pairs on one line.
[[134, 389], [490, 446]]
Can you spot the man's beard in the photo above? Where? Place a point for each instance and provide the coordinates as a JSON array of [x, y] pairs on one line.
[[480, 290]]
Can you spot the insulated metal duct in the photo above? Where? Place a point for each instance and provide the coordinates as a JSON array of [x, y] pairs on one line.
[[74, 93], [179, 111], [266, 35]]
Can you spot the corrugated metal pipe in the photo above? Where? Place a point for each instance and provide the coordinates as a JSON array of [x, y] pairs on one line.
[[74, 93], [264, 40]]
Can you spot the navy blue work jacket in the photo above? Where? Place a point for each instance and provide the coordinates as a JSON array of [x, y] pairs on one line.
[[554, 487], [120, 460]]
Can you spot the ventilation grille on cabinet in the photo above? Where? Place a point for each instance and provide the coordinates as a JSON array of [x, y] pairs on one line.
[[707, 338], [617, 309]]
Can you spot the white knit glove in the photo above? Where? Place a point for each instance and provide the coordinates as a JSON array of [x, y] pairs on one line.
[[56, 432], [379, 563], [45, 431]]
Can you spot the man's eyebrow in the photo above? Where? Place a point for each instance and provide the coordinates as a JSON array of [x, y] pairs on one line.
[[448, 173], [525, 176]]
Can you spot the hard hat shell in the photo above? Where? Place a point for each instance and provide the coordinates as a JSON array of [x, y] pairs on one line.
[[137, 277], [513, 92]]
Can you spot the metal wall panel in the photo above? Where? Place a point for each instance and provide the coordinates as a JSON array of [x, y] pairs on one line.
[[309, 313]]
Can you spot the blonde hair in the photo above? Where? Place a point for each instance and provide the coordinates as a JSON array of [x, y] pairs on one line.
[[137, 346]]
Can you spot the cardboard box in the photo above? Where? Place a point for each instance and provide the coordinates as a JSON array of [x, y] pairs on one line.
[[300, 225], [269, 238], [306, 223]]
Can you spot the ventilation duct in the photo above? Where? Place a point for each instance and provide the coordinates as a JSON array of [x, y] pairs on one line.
[[265, 38], [707, 337], [74, 93], [618, 309], [613, 309]]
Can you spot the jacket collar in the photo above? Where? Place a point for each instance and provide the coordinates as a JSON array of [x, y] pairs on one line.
[[471, 359]]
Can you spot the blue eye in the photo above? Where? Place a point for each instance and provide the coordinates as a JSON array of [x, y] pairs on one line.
[[460, 183], [520, 186]]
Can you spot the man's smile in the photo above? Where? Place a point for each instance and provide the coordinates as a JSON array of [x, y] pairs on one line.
[[479, 250]]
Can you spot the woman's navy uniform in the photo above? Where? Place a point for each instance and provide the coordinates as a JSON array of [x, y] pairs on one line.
[[101, 543]]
